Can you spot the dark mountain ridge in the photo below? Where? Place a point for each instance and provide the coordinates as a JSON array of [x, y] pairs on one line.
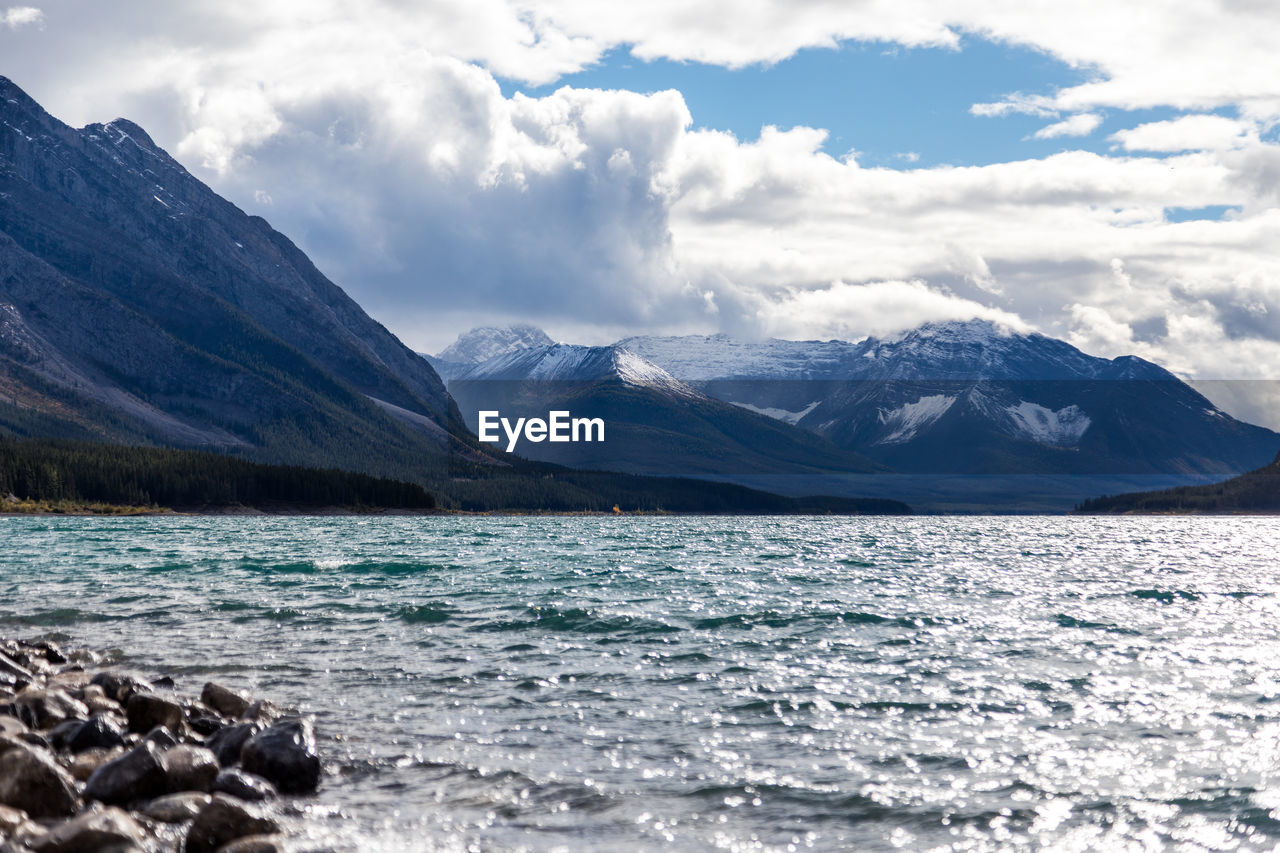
[[136, 304]]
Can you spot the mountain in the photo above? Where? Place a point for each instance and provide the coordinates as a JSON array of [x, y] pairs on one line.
[[974, 398], [138, 305], [654, 423], [485, 342], [1253, 492]]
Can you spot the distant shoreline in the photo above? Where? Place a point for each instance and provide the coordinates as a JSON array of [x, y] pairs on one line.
[[116, 511]]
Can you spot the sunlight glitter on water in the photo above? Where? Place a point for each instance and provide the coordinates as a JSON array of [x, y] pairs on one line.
[[953, 683]]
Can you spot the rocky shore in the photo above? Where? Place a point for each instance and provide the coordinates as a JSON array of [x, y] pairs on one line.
[[99, 759]]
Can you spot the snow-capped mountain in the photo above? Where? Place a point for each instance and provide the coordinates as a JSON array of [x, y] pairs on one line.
[[656, 424], [972, 397], [960, 397], [571, 363], [976, 349], [485, 342]]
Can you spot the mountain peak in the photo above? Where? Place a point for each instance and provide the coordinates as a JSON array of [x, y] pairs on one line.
[[485, 342]]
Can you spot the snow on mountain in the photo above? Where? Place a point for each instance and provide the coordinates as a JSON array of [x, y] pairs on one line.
[[485, 342], [703, 357], [971, 350], [904, 422], [1062, 428], [572, 363], [778, 414]]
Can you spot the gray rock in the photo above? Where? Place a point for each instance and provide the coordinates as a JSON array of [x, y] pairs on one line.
[[161, 738], [244, 786], [139, 774], [120, 685], [226, 743], [148, 710], [32, 782], [96, 698], [97, 830], [224, 700], [176, 808], [262, 711], [15, 669], [285, 754], [190, 768], [60, 735], [85, 763], [44, 709], [225, 820], [99, 732]]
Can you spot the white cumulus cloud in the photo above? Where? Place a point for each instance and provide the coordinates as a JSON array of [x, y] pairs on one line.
[[1081, 124], [1188, 133], [20, 16]]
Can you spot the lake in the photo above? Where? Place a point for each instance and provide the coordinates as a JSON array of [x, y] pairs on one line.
[[964, 683]]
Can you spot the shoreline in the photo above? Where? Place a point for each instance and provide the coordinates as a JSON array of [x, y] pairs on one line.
[[97, 757]]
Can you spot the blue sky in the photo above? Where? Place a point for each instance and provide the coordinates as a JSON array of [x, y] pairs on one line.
[[879, 99]]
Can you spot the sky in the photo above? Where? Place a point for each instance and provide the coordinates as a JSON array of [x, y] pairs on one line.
[[1106, 173]]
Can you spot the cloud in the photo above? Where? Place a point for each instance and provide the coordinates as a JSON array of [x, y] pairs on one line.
[[377, 136], [1081, 124], [1188, 133], [20, 16], [852, 311]]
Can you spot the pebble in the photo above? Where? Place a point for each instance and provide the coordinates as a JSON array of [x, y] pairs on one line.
[[32, 782], [285, 755], [244, 786], [103, 760], [225, 820]]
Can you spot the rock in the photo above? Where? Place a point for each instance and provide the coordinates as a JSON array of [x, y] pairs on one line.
[[139, 774], [7, 743], [262, 711], [84, 764], [96, 698], [15, 669], [226, 743], [52, 652], [204, 724], [35, 739], [256, 844], [10, 820], [60, 735], [98, 829], [44, 709], [161, 738], [148, 710], [100, 731], [165, 681], [176, 808], [120, 685], [31, 781], [225, 820], [72, 680], [224, 700], [244, 786], [11, 727], [285, 755], [190, 768]]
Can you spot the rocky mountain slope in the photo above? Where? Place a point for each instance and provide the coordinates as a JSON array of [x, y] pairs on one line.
[[138, 305], [972, 398]]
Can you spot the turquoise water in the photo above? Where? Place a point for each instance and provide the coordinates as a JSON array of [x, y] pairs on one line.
[[694, 683]]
